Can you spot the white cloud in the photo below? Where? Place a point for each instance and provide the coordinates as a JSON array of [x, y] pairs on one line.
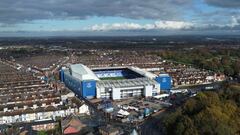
[[173, 25], [234, 21], [164, 25], [116, 26]]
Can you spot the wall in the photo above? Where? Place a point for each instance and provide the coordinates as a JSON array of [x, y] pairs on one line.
[[148, 90], [72, 83], [88, 88], [61, 74], [85, 88], [165, 82], [116, 94]]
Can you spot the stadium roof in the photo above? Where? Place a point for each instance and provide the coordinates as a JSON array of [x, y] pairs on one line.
[[125, 83], [82, 72], [143, 72], [107, 68], [164, 75]]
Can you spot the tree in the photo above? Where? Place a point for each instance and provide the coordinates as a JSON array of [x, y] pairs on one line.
[[190, 107], [228, 70], [236, 67], [185, 126], [42, 133], [226, 60], [209, 113]]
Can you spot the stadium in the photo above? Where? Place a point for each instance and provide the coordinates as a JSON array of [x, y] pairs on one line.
[[113, 82]]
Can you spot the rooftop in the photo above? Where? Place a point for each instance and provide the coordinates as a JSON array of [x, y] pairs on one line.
[[125, 83], [82, 72]]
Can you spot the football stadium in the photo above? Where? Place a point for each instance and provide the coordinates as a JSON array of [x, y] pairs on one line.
[[113, 82]]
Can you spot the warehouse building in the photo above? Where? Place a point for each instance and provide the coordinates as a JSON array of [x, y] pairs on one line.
[[112, 82]]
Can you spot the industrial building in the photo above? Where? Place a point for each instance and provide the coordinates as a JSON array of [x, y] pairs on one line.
[[113, 82]]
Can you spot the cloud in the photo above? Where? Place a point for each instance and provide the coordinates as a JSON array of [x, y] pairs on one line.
[[174, 14], [12, 11], [173, 25], [158, 25], [116, 26], [235, 21], [224, 3], [233, 24]]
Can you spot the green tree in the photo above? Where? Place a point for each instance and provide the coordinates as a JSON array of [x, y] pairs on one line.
[[185, 126], [42, 133], [228, 70], [209, 113], [236, 67]]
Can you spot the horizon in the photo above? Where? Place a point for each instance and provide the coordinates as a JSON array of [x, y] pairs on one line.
[[116, 18], [122, 36]]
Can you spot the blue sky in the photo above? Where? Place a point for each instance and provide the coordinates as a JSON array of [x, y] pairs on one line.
[[52, 17]]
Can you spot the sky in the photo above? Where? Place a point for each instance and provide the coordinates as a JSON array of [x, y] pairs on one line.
[[118, 17]]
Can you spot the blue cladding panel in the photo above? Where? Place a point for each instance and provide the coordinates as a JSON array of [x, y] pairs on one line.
[[84, 89], [165, 82], [62, 75], [73, 84], [89, 88]]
